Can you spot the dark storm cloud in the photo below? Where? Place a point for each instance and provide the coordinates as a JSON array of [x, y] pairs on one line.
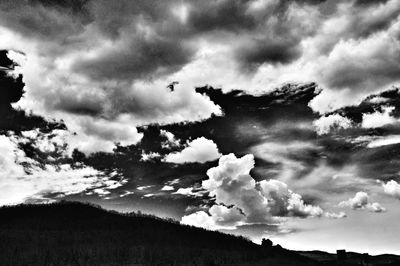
[[364, 27], [271, 51], [46, 20], [379, 163], [85, 103], [148, 40], [221, 15], [235, 15], [370, 2], [134, 54], [140, 56], [75, 6], [276, 43], [137, 58], [314, 2], [113, 18], [81, 109], [353, 65], [353, 74], [128, 41], [277, 37], [366, 60]]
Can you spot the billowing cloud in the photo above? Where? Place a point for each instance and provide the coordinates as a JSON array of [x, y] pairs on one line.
[[283, 202], [361, 201], [231, 184], [392, 188], [198, 150]]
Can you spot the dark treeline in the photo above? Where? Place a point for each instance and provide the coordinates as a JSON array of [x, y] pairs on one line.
[[70, 233]]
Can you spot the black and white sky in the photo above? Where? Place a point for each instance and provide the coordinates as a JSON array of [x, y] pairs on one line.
[[266, 118]]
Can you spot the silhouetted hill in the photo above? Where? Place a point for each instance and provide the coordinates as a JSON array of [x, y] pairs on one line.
[[73, 233], [70, 233], [352, 258]]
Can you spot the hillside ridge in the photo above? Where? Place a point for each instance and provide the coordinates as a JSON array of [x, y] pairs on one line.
[[75, 233]]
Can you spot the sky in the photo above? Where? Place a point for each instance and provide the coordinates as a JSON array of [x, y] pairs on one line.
[[265, 118]]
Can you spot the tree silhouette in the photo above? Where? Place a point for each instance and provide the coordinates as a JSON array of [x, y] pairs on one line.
[[266, 243]]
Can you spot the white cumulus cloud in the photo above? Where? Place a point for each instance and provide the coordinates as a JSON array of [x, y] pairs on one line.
[[361, 201], [392, 188], [199, 150]]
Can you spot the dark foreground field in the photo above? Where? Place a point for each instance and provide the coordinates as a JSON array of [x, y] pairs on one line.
[[81, 234]]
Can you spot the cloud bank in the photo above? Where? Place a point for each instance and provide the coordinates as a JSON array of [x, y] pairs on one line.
[[26, 180]]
